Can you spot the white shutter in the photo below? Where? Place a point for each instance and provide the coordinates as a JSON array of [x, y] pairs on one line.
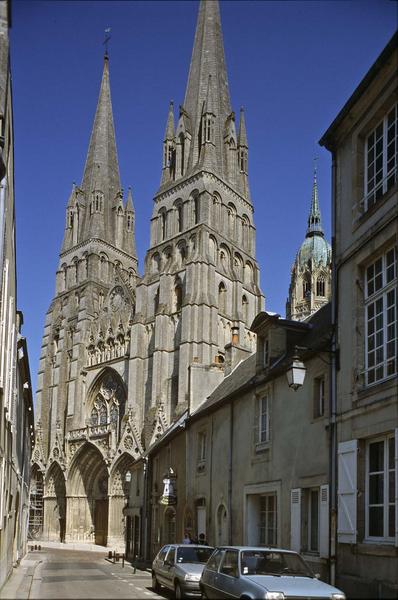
[[347, 492], [3, 323], [396, 487], [295, 519], [324, 521]]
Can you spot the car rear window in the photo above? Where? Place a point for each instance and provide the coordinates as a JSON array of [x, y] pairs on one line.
[[258, 562], [193, 554]]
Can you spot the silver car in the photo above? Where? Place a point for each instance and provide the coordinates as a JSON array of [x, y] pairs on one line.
[[267, 573], [179, 567]]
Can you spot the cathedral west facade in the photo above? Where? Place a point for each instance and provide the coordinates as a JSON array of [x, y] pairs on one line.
[[124, 356]]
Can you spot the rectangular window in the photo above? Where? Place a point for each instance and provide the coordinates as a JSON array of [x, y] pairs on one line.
[[381, 160], [319, 397], [201, 450], [268, 522], [264, 420], [266, 352], [380, 489], [381, 318], [310, 520]]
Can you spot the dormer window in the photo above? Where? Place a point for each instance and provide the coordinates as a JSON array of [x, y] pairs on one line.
[[266, 352]]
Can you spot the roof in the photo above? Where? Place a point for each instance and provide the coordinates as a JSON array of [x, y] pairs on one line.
[[326, 139], [238, 378]]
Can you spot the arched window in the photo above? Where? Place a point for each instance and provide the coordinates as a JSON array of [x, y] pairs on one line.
[[163, 218], [114, 413], [245, 308], [155, 263], [222, 292], [320, 287], [103, 412], [196, 210], [182, 152], [156, 301], [94, 417], [180, 218], [178, 296], [306, 287]]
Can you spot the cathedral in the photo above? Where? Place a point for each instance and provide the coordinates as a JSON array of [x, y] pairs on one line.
[[123, 355], [311, 276]]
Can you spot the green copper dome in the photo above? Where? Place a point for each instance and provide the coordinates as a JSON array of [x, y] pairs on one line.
[[315, 248]]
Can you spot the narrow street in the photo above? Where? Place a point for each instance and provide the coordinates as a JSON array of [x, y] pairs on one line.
[[58, 573]]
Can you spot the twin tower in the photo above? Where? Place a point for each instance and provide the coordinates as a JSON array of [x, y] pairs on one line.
[[124, 356]]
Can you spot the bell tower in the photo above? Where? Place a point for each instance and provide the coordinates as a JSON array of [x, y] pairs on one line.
[[200, 290]]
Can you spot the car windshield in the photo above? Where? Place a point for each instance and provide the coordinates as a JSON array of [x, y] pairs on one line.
[[194, 554], [259, 562]]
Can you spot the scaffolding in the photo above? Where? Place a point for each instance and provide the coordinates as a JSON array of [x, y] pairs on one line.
[[36, 506]]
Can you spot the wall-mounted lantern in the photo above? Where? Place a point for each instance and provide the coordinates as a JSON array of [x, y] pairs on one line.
[[296, 372]]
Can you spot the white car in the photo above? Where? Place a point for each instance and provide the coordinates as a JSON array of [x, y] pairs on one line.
[[262, 573], [179, 567]]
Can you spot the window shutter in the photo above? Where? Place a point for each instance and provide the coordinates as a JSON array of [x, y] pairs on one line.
[[347, 492], [295, 519], [324, 522], [396, 487], [3, 314], [256, 421]]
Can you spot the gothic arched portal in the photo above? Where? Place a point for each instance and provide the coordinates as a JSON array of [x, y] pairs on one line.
[[119, 489], [87, 489], [54, 504]]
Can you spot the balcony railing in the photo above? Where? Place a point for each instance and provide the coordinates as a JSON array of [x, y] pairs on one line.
[[90, 431]]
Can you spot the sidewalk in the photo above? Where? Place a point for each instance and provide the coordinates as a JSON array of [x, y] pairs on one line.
[[20, 582]]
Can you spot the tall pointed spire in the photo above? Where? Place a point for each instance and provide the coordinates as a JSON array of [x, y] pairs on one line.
[[101, 171], [208, 59], [242, 136], [314, 218]]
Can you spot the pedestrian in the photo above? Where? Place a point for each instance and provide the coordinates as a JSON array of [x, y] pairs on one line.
[[187, 538], [202, 540]]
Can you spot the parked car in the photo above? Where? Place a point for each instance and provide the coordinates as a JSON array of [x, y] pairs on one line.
[[268, 573], [179, 567]]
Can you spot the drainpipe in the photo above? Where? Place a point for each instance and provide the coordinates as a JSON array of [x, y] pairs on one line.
[[144, 550], [333, 391], [230, 471]]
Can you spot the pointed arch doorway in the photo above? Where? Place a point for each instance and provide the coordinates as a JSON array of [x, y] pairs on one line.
[[88, 497], [54, 504]]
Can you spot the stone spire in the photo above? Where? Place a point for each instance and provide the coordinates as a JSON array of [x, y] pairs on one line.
[[168, 147], [129, 239], [208, 59], [314, 218], [101, 171]]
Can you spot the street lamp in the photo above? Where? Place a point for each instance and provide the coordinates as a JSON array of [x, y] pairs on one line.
[[296, 372]]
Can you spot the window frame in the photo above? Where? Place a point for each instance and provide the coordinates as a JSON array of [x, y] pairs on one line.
[[307, 520], [265, 541], [264, 398], [371, 299], [201, 450], [383, 184], [385, 538]]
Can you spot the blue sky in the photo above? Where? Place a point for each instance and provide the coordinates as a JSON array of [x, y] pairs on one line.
[[292, 65]]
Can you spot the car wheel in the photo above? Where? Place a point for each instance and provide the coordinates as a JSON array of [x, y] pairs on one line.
[[178, 592], [155, 583]]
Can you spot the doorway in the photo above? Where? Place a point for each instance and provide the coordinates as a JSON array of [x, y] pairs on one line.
[[101, 522]]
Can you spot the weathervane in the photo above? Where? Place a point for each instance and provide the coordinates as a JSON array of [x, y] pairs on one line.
[[106, 40]]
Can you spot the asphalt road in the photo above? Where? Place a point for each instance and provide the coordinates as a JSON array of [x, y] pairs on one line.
[[78, 574]]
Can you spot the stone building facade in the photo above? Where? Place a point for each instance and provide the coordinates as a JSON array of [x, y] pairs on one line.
[[364, 145], [16, 403], [86, 439], [243, 466], [311, 276], [122, 356]]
